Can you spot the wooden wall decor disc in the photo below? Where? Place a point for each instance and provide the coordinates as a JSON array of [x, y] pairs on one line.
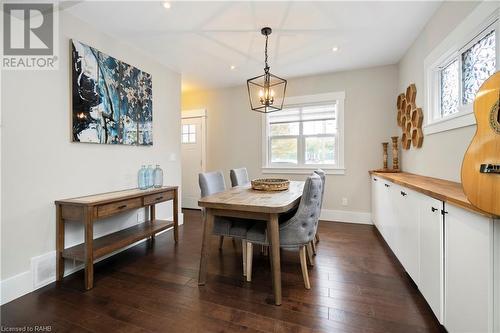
[[417, 137], [408, 109], [408, 126], [411, 93], [417, 117]]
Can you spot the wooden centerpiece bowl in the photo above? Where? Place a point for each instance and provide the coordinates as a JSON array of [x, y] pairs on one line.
[[270, 184]]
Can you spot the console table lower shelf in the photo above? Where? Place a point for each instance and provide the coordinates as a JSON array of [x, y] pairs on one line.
[[117, 240], [87, 210]]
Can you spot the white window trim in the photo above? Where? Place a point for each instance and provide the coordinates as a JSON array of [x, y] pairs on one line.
[[337, 97], [452, 46]]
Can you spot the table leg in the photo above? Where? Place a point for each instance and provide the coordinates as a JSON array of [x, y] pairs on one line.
[[205, 246], [59, 243], [274, 239], [152, 217], [89, 251], [176, 215]]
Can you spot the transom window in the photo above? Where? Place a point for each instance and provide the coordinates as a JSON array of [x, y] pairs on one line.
[[189, 133], [304, 136], [456, 75]]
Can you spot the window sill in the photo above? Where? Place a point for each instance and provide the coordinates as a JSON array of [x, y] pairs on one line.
[[302, 170], [457, 121]]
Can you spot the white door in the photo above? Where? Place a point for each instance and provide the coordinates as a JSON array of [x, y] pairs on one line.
[[193, 145]]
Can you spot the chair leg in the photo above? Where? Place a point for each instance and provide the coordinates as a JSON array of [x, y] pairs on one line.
[[303, 266], [310, 254], [316, 237], [313, 245], [221, 241], [249, 261], [244, 255]]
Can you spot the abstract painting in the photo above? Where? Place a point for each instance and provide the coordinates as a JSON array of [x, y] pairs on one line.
[[112, 100]]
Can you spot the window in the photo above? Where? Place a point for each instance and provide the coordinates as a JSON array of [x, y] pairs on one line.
[[189, 133], [455, 75], [305, 135]]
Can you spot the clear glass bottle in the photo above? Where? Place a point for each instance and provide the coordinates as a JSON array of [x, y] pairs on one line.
[[158, 176], [149, 176], [141, 178]]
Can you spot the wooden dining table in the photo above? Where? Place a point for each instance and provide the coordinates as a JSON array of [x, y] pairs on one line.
[[244, 202]]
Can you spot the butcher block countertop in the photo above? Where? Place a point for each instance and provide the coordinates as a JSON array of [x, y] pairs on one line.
[[440, 189]]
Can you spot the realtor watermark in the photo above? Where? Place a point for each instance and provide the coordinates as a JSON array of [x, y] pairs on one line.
[[30, 36], [34, 328]]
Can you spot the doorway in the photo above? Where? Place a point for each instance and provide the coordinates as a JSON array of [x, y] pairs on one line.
[[193, 149]]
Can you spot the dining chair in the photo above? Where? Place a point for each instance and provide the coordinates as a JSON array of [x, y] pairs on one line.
[[211, 183], [322, 175], [297, 232], [239, 177]]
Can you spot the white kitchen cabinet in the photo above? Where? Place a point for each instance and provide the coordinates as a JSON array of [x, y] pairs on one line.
[[452, 254], [431, 283], [468, 258]]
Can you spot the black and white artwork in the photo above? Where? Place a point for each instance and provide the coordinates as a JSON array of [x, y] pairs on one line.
[[112, 100]]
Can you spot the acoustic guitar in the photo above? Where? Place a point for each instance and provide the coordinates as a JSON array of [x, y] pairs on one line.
[[481, 164]]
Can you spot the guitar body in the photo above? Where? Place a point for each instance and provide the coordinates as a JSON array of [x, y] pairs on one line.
[[481, 164]]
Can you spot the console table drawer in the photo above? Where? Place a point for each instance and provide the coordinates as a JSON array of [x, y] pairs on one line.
[[119, 206], [158, 197]]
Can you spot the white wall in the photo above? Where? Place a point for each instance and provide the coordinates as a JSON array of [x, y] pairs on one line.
[[40, 163], [234, 131], [442, 153]]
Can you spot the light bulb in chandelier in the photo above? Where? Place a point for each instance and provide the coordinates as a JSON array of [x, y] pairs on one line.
[[266, 97]]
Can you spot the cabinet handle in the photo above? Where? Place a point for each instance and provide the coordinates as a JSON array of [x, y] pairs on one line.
[[433, 209], [375, 179], [443, 212], [159, 198], [122, 206], [387, 185], [403, 193]]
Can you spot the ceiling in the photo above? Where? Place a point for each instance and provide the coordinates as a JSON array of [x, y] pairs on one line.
[[202, 40]]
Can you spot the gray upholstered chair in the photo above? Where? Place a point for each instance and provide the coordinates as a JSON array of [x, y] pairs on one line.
[[211, 183], [322, 175], [239, 177], [298, 231]]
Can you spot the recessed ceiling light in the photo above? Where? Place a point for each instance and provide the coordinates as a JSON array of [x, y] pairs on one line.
[[335, 48], [167, 5], [233, 67]]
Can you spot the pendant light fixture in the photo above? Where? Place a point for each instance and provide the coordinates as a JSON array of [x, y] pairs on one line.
[[266, 92]]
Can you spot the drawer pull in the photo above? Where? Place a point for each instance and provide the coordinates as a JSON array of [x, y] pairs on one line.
[[122, 206], [375, 179], [387, 185], [158, 199], [433, 209], [403, 193], [443, 212]]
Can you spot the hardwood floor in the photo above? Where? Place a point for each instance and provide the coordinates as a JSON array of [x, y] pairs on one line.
[[356, 286]]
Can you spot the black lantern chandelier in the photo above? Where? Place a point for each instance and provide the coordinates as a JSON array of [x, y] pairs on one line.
[[266, 92]]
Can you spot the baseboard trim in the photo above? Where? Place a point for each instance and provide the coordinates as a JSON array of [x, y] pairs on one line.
[[24, 283], [346, 216]]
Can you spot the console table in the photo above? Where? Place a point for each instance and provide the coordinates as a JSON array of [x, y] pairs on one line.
[[89, 209]]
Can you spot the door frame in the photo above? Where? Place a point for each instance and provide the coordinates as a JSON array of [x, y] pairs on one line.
[[202, 114]]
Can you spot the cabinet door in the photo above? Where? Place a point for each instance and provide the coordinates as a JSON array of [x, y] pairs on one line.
[[468, 271], [375, 199], [386, 213], [431, 254], [407, 230]]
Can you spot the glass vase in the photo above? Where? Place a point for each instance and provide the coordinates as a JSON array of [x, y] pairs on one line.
[[158, 176], [141, 178]]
